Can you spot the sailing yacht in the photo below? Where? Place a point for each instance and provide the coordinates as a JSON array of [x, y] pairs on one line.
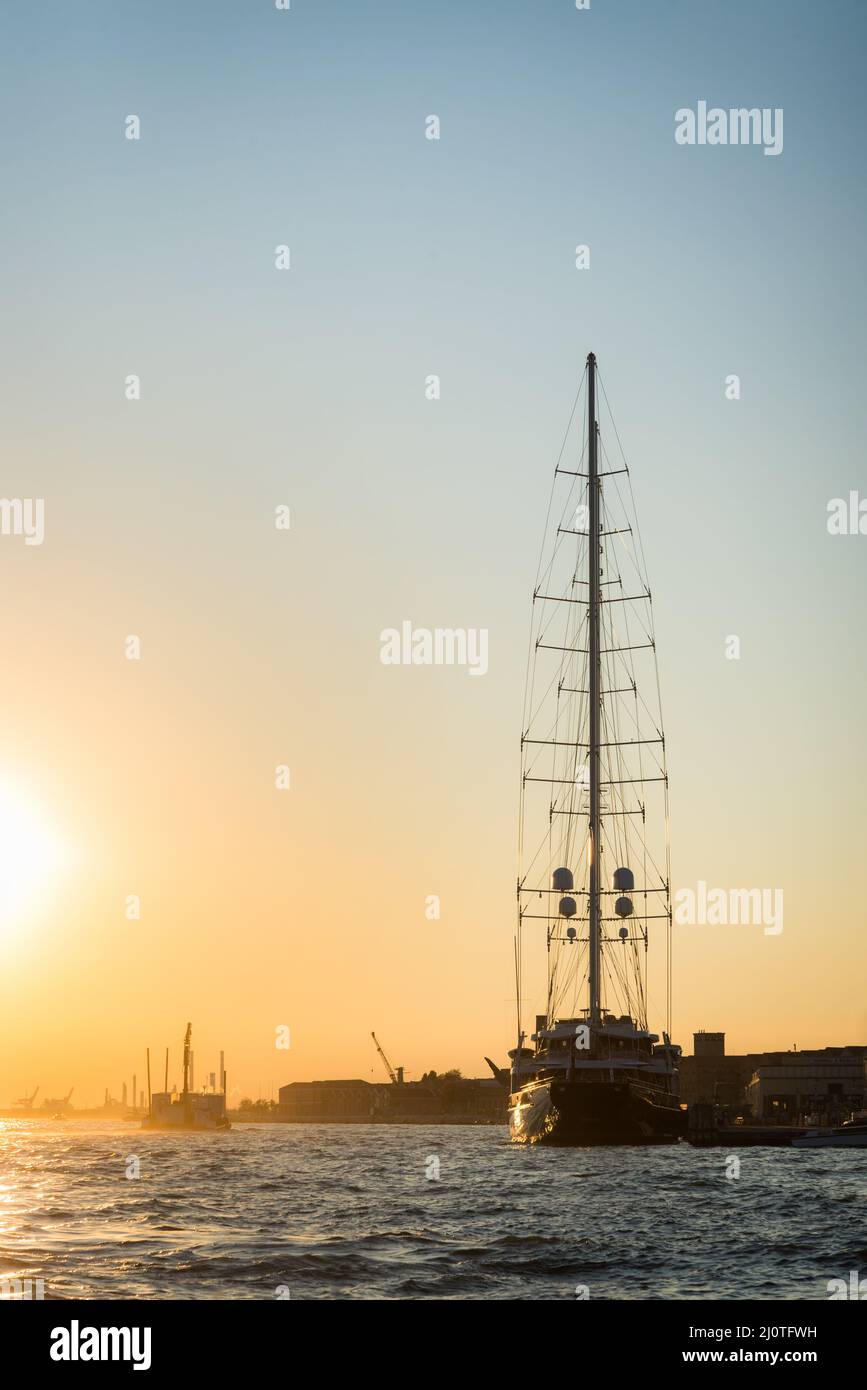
[[593, 879]]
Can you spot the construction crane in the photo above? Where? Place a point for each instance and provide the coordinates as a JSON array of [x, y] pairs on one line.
[[395, 1077], [26, 1102]]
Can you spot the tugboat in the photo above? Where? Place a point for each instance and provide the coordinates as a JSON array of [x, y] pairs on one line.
[[187, 1109], [594, 793]]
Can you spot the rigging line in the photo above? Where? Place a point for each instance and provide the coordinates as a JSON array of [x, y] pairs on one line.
[[648, 855], [528, 765], [560, 715], [620, 980], [637, 560], [574, 712], [618, 975], [622, 765], [581, 718], [569, 973], [647, 709], [626, 464], [620, 701], [545, 530], [617, 764], [611, 558], [574, 487], [611, 820], [632, 566], [580, 981], [557, 676], [627, 828], [573, 620], [531, 760], [557, 465], [546, 623], [543, 575], [560, 603], [620, 837]]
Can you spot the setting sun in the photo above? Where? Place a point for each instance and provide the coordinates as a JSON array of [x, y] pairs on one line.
[[31, 853]]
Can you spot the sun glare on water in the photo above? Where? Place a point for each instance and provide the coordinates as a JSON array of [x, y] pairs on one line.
[[31, 855]]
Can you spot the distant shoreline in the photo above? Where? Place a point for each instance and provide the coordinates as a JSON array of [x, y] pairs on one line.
[[245, 1118]]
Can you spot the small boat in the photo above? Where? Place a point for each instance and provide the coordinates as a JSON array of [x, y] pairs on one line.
[[593, 870], [852, 1134]]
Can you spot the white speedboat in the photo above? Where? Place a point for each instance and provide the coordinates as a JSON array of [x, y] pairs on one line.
[[851, 1135]]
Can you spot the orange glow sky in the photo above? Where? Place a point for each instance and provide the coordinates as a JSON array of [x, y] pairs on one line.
[[261, 647]]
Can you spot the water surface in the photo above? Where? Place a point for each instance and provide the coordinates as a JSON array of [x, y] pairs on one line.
[[354, 1211]]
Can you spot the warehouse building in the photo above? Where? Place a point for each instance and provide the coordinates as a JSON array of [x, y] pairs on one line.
[[825, 1082]]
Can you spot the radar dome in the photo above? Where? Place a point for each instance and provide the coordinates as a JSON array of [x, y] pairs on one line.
[[624, 880], [568, 907], [623, 907], [562, 880]]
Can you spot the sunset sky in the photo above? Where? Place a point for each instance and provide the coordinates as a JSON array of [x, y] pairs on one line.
[[306, 388]]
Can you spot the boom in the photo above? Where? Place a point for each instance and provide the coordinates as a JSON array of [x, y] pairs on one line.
[[385, 1062]]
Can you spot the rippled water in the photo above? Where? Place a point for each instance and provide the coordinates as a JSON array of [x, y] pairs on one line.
[[349, 1211]]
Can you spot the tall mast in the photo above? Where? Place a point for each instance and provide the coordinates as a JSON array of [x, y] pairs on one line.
[[595, 685], [187, 1058]]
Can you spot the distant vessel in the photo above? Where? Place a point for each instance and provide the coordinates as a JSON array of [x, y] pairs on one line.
[[186, 1109], [594, 815], [852, 1134], [58, 1105]]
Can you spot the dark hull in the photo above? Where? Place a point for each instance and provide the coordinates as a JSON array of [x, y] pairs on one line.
[[594, 1112]]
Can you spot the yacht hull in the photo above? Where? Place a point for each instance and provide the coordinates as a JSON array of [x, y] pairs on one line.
[[582, 1113]]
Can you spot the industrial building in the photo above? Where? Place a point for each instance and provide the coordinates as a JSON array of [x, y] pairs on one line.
[[808, 1086], [321, 1101], [822, 1084]]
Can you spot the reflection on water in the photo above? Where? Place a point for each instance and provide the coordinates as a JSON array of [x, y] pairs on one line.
[[313, 1211]]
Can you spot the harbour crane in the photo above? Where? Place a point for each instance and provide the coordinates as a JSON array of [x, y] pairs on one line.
[[395, 1077], [26, 1102]]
